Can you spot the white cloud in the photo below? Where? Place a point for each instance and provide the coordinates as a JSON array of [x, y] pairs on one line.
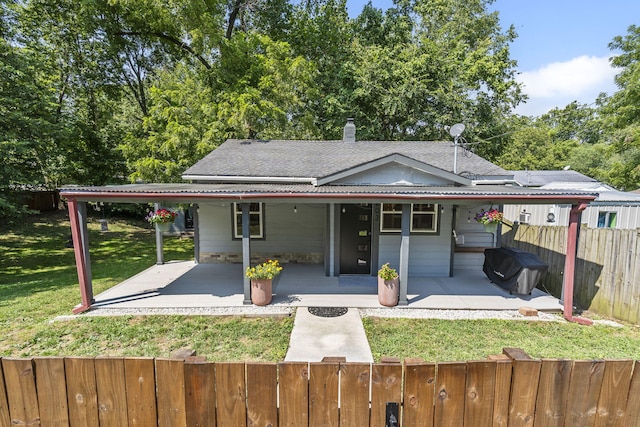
[[560, 83]]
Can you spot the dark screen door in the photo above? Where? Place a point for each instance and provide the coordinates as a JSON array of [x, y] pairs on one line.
[[355, 239]]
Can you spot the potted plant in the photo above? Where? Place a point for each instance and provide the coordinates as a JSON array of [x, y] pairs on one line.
[[489, 219], [388, 286], [162, 218], [261, 277]]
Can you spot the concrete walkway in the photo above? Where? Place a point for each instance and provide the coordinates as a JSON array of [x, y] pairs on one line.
[[316, 337]]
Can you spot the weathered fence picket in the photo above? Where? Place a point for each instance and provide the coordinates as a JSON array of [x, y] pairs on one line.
[[607, 277], [500, 391]]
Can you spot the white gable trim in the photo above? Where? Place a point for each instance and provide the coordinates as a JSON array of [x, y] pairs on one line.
[[395, 158]]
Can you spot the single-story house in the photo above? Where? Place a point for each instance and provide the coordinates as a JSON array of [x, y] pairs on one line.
[[348, 205], [611, 209]]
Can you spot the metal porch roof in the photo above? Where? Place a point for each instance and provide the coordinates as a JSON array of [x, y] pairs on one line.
[[187, 193]]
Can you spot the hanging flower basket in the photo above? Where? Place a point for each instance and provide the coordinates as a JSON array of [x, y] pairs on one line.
[[491, 227], [162, 218], [164, 226], [490, 219]]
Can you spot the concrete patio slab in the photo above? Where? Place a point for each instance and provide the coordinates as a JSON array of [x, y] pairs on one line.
[[185, 284]]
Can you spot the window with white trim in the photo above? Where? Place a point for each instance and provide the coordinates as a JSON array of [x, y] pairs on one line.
[[607, 219], [256, 221], [424, 217]]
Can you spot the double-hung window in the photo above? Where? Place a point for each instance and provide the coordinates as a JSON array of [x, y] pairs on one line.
[[424, 217], [256, 220]]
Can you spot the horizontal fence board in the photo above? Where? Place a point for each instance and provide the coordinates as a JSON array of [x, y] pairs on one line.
[[354, 389], [52, 393], [511, 390]]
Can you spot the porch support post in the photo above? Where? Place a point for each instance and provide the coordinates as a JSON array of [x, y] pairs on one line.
[[404, 253], [196, 233], [570, 264], [332, 239], [159, 241], [246, 252], [77, 217]]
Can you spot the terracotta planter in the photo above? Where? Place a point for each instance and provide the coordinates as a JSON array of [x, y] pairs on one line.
[[388, 291], [261, 291], [163, 226]]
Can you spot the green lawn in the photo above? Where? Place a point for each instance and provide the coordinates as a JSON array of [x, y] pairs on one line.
[[38, 282]]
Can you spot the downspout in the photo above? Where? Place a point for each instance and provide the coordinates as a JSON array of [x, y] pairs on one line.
[[86, 293], [570, 265]]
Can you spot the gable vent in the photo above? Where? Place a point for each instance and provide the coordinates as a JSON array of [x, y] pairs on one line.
[[349, 132]]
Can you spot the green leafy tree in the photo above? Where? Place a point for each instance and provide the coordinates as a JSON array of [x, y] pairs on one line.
[[28, 126]]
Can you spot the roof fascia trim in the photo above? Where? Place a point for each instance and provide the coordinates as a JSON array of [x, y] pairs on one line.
[[395, 158], [181, 197], [249, 179]]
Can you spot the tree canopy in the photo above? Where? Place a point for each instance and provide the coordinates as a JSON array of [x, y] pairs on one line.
[[111, 91]]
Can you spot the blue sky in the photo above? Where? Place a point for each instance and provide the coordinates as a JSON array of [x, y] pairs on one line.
[[562, 46]]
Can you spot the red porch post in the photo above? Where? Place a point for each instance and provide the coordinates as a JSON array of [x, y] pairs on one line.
[[84, 280], [570, 264]]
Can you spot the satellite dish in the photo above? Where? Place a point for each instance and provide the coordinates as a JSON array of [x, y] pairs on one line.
[[456, 130]]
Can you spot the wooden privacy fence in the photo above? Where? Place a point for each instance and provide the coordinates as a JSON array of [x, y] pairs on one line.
[[500, 391], [607, 270]]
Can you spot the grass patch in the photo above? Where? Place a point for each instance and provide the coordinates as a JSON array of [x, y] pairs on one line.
[[440, 340], [38, 281]]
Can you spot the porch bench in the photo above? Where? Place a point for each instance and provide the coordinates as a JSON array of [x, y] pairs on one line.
[[471, 249]]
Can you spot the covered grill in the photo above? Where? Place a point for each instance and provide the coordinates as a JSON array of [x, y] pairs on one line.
[[512, 269]]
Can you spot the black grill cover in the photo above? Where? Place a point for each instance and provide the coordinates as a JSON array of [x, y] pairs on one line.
[[515, 270]]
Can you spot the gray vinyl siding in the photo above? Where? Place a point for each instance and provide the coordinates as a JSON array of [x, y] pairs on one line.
[[628, 214], [429, 255], [285, 230]]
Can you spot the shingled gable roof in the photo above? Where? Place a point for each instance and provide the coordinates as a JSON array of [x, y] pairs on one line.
[[315, 160]]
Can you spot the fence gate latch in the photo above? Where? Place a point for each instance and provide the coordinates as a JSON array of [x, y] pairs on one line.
[[391, 416]]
